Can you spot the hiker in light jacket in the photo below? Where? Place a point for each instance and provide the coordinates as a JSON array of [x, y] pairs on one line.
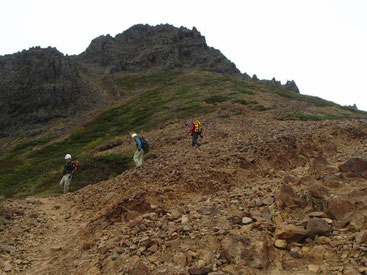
[[139, 153]]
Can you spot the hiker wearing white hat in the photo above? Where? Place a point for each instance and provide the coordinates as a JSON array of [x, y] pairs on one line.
[[67, 174], [142, 145], [139, 153]]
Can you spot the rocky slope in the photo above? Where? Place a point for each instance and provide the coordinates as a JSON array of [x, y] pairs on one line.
[[261, 196], [39, 85]]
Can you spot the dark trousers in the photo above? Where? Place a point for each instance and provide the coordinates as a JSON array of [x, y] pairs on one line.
[[195, 137]]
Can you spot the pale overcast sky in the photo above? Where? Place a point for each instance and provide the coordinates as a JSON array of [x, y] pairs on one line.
[[321, 44]]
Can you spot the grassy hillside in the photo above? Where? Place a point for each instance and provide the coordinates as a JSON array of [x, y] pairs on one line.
[[151, 101]]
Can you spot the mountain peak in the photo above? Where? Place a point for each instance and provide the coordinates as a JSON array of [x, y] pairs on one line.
[[159, 48]]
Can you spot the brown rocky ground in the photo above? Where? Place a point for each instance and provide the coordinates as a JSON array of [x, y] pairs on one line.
[[261, 196]]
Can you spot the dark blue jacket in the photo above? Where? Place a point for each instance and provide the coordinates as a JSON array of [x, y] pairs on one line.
[[138, 143]]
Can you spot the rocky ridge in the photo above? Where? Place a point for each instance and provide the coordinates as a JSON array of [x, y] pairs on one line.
[[261, 196], [39, 86], [161, 48]]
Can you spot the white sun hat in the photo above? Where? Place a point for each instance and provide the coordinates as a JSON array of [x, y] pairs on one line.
[[67, 156]]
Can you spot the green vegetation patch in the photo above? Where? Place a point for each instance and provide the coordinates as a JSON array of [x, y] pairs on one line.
[[353, 109], [245, 101], [305, 98], [312, 117], [224, 116], [246, 91], [43, 177], [216, 99], [35, 142], [134, 82], [261, 108]]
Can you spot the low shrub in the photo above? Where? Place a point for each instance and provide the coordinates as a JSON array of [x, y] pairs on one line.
[[245, 91], [215, 99], [312, 117], [261, 108]]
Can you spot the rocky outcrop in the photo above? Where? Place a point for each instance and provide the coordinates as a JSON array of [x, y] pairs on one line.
[[39, 85], [159, 48], [291, 86]]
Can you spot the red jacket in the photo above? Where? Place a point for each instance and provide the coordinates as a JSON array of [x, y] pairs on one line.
[[192, 127]]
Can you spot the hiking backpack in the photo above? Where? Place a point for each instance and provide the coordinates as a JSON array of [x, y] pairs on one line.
[[76, 166], [144, 144], [197, 126]]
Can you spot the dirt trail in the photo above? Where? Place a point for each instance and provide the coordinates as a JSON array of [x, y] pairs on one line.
[[42, 227], [62, 225], [188, 209]]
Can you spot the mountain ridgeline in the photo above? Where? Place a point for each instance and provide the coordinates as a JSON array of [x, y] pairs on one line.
[[160, 48], [41, 87]]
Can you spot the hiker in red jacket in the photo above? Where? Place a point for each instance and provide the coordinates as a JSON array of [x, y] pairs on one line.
[[195, 131]]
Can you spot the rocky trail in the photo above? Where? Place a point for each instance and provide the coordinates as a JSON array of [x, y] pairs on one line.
[[261, 196]]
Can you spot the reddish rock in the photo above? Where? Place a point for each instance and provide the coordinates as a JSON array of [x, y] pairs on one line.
[[356, 165], [6, 213], [200, 271], [285, 196], [319, 164], [352, 175], [332, 181], [140, 268], [337, 208], [135, 222], [318, 191], [316, 226], [246, 251], [290, 233]]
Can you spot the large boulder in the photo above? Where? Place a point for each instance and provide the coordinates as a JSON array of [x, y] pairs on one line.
[[316, 226], [355, 165], [338, 208]]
